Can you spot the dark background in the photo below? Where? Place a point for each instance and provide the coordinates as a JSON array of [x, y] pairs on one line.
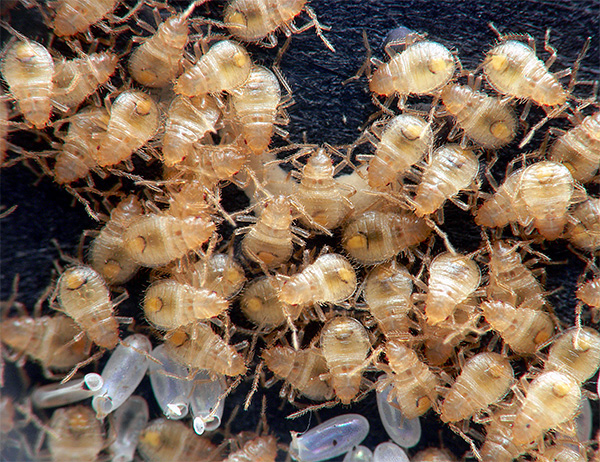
[[325, 111]]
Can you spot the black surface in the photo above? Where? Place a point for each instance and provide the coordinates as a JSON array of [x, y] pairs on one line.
[[325, 111]]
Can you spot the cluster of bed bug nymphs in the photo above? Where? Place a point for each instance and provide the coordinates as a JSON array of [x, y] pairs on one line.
[[388, 306]]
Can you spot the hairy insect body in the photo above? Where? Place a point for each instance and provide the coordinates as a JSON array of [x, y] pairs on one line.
[[484, 380], [107, 252], [220, 273], [523, 329], [485, 120], [47, 339], [27, 68], [387, 292], [505, 206], [134, 119], [76, 79], [585, 233], [414, 385], [301, 369], [589, 293], [422, 68], [404, 142], [76, 434], [579, 149], [196, 345], [512, 68], [546, 189], [83, 295], [576, 353], [169, 304], [320, 194], [73, 16], [86, 131], [261, 304], [253, 20], [157, 239], [166, 439], [552, 399], [452, 279], [224, 67], [451, 170], [375, 236], [255, 104], [188, 120], [345, 345], [330, 279], [261, 449]]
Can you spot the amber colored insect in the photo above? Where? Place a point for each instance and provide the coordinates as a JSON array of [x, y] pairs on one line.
[[589, 293], [261, 304], [322, 197], [512, 68], [86, 131], [196, 345], [255, 104], [270, 240], [451, 170], [551, 399], [166, 439], [579, 149], [330, 279], [576, 353], [76, 79], [158, 239], [486, 120], [422, 68], [73, 16], [505, 205], [345, 345], [387, 292], [47, 339], [561, 453], [211, 164], [433, 455], [510, 280], [414, 385], [498, 445], [523, 329], [225, 66], [483, 380], [134, 119], [261, 449], [189, 200], [546, 189], [3, 128], [7, 415], [107, 253], [188, 120], [156, 62], [220, 273], [452, 279], [301, 369], [27, 68], [585, 232], [375, 236], [83, 295], [404, 142], [170, 304], [76, 434]]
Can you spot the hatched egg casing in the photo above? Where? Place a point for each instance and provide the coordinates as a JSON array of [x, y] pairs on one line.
[[169, 304], [27, 68], [452, 279], [225, 66], [484, 380], [404, 142], [134, 119], [345, 345], [330, 279], [486, 120], [422, 68], [196, 345], [512, 68], [83, 295], [451, 170], [255, 105], [155, 240]]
